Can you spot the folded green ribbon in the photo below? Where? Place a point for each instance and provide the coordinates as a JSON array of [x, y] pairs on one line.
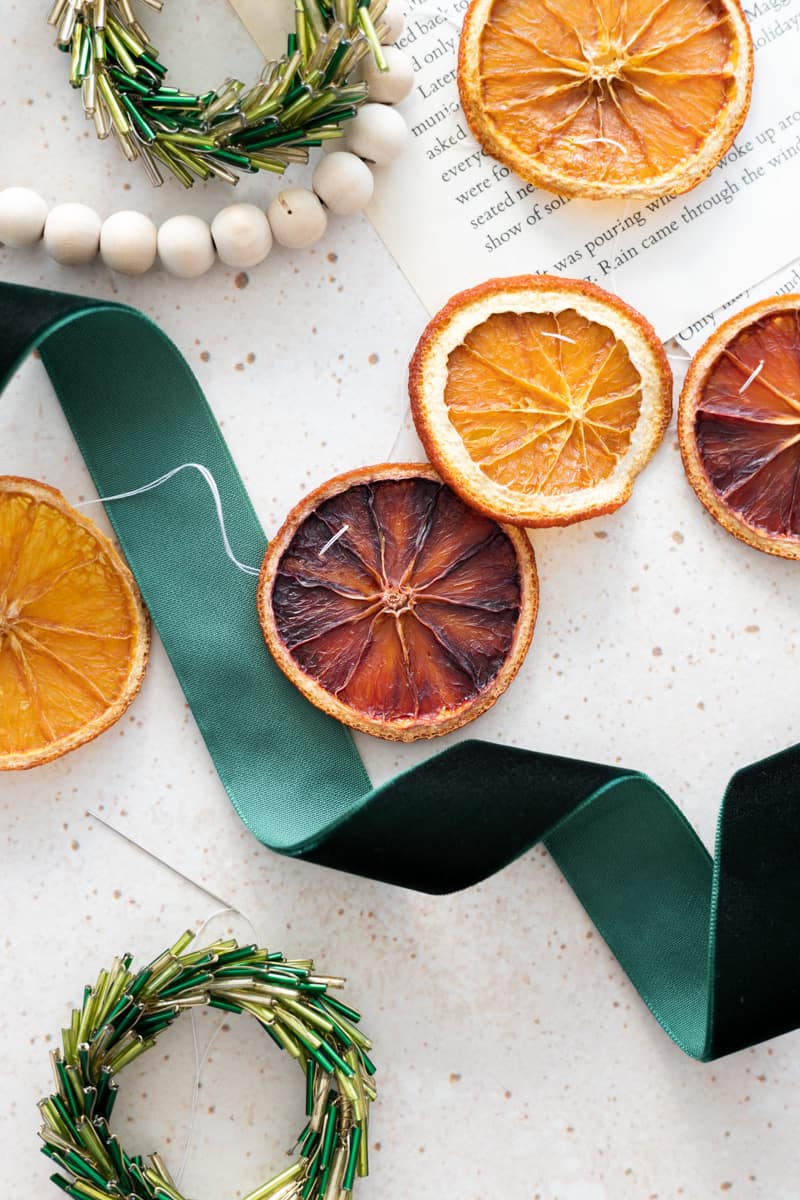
[[713, 947]]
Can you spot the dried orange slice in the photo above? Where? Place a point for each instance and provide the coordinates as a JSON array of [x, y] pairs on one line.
[[540, 399], [394, 607], [599, 99], [74, 634], [739, 425]]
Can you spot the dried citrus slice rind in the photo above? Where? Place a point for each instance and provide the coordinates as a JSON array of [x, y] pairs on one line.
[[540, 399], [74, 634], [394, 607], [599, 99], [739, 425]]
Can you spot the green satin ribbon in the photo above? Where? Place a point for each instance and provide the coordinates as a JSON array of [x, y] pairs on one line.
[[713, 947]]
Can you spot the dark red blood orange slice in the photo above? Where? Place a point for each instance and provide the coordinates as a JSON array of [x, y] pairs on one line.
[[395, 607], [739, 425]]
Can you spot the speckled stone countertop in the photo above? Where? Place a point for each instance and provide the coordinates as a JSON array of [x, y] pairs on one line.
[[515, 1059]]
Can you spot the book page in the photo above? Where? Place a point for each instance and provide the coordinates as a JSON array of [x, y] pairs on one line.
[[782, 283], [452, 216], [267, 24]]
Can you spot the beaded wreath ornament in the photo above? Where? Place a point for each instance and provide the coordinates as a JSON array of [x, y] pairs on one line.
[[300, 101], [121, 1018]]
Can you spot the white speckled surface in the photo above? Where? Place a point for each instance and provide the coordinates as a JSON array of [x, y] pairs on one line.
[[515, 1058]]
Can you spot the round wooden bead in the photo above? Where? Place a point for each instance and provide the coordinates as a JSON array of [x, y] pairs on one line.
[[23, 213], [242, 235], [72, 234], [297, 218], [185, 246], [393, 17], [343, 182], [378, 133], [128, 242], [392, 86]]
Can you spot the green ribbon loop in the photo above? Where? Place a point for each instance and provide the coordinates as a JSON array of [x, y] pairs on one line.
[[712, 946]]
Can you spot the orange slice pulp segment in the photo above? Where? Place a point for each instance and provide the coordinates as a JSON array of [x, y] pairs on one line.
[[73, 631], [544, 402], [393, 606]]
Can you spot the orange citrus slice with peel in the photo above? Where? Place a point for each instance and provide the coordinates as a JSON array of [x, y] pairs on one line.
[[637, 98], [540, 399], [74, 634], [394, 607], [739, 425]]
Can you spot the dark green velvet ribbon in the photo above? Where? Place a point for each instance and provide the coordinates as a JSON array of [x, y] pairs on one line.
[[713, 946]]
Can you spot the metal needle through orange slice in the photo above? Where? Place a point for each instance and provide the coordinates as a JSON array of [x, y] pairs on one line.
[[605, 98], [739, 425], [74, 634], [540, 399], [394, 607]]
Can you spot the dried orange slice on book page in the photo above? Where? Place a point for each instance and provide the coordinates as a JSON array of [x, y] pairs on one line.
[[637, 98], [74, 634], [739, 425], [394, 607], [540, 399]]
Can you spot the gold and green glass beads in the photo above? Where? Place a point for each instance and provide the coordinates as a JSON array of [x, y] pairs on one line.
[[301, 100], [121, 1017]]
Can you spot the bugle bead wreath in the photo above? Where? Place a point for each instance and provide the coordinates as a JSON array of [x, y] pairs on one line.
[[300, 101], [121, 1017]]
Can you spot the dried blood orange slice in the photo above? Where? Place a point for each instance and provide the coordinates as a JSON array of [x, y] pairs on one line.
[[393, 606], [739, 425], [600, 99], [540, 399], [74, 634]]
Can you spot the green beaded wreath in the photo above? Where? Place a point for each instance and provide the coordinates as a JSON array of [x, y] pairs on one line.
[[300, 100], [123, 1014]]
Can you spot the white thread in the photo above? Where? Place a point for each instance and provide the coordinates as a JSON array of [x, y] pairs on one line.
[[561, 337], [212, 483], [332, 541], [199, 1060], [606, 141], [753, 375], [161, 862], [613, 281]]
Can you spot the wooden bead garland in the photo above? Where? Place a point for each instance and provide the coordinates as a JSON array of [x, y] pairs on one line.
[[343, 182], [185, 246], [129, 243], [72, 234], [242, 235], [394, 84], [378, 134], [297, 218], [22, 217]]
